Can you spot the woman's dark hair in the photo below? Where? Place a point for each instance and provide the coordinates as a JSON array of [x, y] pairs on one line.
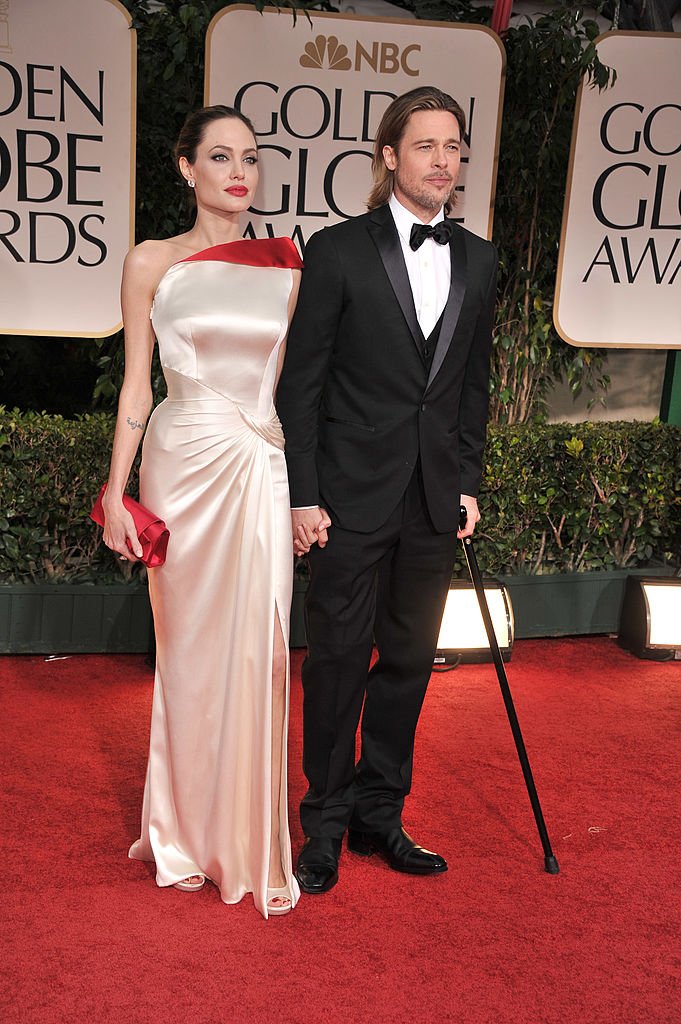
[[194, 128]]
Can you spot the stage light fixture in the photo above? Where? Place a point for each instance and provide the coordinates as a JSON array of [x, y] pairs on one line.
[[462, 632], [650, 621]]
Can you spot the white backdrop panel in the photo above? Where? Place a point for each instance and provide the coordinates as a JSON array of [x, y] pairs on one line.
[[316, 90]]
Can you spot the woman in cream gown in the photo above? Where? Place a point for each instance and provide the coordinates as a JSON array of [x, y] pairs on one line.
[[215, 799]]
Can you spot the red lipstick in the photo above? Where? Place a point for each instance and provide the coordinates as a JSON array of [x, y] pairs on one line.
[[237, 190]]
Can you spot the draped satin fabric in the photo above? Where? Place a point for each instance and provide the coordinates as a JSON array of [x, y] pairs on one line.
[[213, 467]]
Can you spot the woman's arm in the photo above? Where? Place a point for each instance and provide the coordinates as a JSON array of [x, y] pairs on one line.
[[141, 273]]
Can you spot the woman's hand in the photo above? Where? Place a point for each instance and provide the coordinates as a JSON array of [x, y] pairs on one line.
[[120, 534]]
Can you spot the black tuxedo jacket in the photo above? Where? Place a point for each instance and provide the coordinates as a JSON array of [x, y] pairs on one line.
[[358, 402]]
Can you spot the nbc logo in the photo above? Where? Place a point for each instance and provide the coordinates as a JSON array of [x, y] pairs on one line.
[[382, 57], [336, 54]]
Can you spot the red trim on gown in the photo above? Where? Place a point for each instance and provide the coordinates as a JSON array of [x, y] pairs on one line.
[[253, 252]]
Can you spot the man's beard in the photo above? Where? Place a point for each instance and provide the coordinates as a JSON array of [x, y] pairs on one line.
[[423, 196]]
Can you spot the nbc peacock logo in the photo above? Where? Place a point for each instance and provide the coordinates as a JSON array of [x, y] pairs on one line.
[[381, 56], [326, 51]]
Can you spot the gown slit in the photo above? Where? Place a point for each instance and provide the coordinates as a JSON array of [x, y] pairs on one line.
[[279, 719]]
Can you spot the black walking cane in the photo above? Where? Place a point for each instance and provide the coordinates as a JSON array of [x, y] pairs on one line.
[[550, 862]]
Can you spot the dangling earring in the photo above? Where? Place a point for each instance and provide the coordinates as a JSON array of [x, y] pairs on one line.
[[191, 182]]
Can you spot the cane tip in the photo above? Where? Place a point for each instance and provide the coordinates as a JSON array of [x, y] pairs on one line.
[[551, 865]]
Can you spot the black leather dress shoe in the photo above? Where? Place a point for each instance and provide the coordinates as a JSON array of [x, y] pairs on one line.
[[399, 849], [317, 867]]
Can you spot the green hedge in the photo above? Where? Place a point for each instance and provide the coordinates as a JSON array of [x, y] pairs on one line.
[[572, 497], [51, 469], [556, 498]]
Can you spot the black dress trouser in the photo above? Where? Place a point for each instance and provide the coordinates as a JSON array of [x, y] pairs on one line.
[[390, 585]]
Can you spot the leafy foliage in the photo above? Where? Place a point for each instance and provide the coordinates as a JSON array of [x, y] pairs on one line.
[[546, 61], [572, 497], [555, 498], [51, 469]]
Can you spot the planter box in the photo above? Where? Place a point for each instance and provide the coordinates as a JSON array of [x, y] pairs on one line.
[[570, 604], [79, 618], [75, 618], [90, 619]]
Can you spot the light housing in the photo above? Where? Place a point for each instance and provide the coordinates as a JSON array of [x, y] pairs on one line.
[[650, 620], [462, 631]]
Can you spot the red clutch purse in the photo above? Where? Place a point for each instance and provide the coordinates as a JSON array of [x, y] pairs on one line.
[[152, 532]]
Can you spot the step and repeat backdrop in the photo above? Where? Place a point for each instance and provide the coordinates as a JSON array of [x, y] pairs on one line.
[[316, 90]]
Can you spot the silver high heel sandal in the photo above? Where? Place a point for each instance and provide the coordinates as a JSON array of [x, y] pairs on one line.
[[279, 901], [192, 883]]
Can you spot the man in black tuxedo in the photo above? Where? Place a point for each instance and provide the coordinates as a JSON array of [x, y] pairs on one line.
[[383, 399]]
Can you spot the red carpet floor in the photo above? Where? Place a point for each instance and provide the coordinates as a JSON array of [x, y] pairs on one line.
[[87, 936]]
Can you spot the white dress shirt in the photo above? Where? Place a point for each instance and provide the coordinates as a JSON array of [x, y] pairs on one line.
[[429, 268]]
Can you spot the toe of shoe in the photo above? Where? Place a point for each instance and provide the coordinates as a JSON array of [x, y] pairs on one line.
[[318, 879], [424, 863]]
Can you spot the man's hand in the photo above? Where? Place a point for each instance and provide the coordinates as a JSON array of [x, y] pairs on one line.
[[472, 518], [310, 527]]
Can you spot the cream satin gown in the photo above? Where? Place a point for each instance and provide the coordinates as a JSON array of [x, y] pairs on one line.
[[213, 467]]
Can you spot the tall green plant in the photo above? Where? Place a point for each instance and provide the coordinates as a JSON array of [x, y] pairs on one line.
[[546, 61]]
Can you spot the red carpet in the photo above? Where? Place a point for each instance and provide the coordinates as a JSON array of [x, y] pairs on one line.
[[87, 936]]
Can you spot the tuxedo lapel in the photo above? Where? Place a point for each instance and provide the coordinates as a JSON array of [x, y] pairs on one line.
[[457, 290], [384, 233]]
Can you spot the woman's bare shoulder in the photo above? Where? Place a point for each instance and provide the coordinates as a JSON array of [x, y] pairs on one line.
[[149, 260], [152, 254]]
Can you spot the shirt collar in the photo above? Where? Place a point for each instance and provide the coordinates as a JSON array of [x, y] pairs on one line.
[[404, 218]]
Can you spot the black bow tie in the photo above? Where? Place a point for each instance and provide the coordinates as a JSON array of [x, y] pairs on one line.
[[440, 233]]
